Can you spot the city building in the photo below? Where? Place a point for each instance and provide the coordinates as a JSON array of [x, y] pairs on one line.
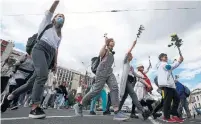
[[195, 99], [6, 49], [17, 54], [71, 77]]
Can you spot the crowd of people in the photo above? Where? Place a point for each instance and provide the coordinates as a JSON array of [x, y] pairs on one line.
[[35, 76]]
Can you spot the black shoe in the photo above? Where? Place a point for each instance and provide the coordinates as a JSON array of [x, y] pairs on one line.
[[92, 113], [106, 113], [5, 104], [145, 114], [157, 115], [37, 113], [15, 107], [134, 116]]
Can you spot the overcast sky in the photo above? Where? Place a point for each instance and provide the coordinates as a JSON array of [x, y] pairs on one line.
[[83, 32]]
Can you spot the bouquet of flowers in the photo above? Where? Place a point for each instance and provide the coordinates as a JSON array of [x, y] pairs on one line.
[[177, 42], [140, 31]]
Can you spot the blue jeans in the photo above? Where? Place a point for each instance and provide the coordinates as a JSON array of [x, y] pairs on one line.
[[184, 104], [59, 100], [103, 96]]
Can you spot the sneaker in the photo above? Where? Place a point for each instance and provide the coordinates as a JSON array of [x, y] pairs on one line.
[[5, 104], [156, 115], [120, 116], [26, 104], [134, 116], [14, 107], [78, 109], [171, 120], [164, 119], [37, 113], [106, 113], [145, 114], [92, 113], [55, 106], [178, 120]]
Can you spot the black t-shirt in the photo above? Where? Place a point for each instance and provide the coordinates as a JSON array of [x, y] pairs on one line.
[[132, 79]]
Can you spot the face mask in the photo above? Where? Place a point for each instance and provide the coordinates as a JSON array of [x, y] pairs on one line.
[[59, 20]]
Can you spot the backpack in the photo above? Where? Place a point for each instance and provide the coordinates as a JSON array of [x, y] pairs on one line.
[[132, 79], [94, 64], [95, 61], [187, 91], [33, 40], [156, 80]]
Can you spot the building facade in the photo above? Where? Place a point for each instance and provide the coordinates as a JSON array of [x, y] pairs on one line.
[[17, 54], [71, 77], [195, 99], [6, 49]]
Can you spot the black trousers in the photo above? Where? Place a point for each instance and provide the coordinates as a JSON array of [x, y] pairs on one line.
[[108, 102], [158, 107], [171, 102], [4, 82], [147, 103], [19, 82], [129, 91]]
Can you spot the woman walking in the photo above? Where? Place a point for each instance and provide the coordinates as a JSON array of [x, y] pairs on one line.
[[43, 53], [104, 74]]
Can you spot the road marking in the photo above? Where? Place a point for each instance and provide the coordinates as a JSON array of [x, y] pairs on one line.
[[154, 121], [24, 118]]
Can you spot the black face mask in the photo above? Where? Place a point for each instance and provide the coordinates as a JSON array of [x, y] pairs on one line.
[[113, 52]]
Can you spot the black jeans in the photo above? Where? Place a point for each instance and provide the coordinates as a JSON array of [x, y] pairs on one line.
[[171, 102], [158, 107], [108, 103], [4, 82], [130, 91], [19, 82], [147, 103]]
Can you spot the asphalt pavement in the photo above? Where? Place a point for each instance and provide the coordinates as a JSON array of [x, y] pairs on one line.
[[66, 116]]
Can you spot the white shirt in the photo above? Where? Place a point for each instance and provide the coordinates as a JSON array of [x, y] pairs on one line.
[[50, 36], [79, 90], [165, 77], [50, 82], [140, 88]]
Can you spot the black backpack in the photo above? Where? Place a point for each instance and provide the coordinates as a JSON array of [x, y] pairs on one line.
[[132, 79], [33, 40], [94, 64], [156, 80], [95, 61]]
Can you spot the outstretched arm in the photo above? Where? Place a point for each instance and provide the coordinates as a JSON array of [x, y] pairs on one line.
[[104, 49], [148, 68], [54, 6], [133, 45]]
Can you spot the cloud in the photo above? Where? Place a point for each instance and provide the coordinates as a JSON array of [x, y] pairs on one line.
[[197, 86], [189, 74], [83, 33]]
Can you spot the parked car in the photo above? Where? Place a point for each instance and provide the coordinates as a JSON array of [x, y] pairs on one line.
[[126, 109]]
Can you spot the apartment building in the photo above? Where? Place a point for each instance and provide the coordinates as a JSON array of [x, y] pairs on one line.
[[195, 99], [71, 77], [6, 49]]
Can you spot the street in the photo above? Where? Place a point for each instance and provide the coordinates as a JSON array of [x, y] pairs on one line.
[[65, 116]]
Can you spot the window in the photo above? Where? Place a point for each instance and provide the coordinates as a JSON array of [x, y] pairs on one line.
[[194, 99], [199, 105], [197, 98]]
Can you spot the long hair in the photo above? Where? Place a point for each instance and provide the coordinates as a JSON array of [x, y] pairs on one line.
[[53, 20]]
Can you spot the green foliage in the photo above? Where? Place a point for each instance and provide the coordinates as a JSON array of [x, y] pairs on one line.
[[175, 41]]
